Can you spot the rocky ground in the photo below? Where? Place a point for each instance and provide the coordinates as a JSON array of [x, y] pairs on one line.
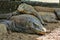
[[25, 36], [54, 35]]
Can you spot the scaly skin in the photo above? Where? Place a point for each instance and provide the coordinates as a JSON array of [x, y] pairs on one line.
[[29, 22]]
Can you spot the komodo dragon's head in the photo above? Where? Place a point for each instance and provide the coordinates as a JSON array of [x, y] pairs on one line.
[[39, 29]]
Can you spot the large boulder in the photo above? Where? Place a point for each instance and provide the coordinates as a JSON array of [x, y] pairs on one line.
[[48, 17], [28, 9], [28, 23], [8, 15]]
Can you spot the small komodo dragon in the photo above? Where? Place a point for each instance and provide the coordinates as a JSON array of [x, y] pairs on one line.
[[28, 9]]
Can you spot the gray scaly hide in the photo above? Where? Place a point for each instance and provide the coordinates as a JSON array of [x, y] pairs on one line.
[[28, 23]]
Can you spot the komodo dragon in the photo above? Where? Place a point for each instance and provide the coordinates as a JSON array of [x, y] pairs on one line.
[[28, 23], [28, 9], [24, 23]]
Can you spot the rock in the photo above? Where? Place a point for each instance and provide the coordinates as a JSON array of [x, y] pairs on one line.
[[8, 6], [5, 16], [57, 13], [9, 24], [28, 9], [8, 15], [41, 3], [3, 28], [45, 9], [28, 24], [48, 17]]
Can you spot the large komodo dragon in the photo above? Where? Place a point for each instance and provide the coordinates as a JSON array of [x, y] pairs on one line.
[[28, 23], [28, 9]]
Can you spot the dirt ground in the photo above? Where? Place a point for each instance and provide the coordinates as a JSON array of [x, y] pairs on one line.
[[54, 35], [25, 36]]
